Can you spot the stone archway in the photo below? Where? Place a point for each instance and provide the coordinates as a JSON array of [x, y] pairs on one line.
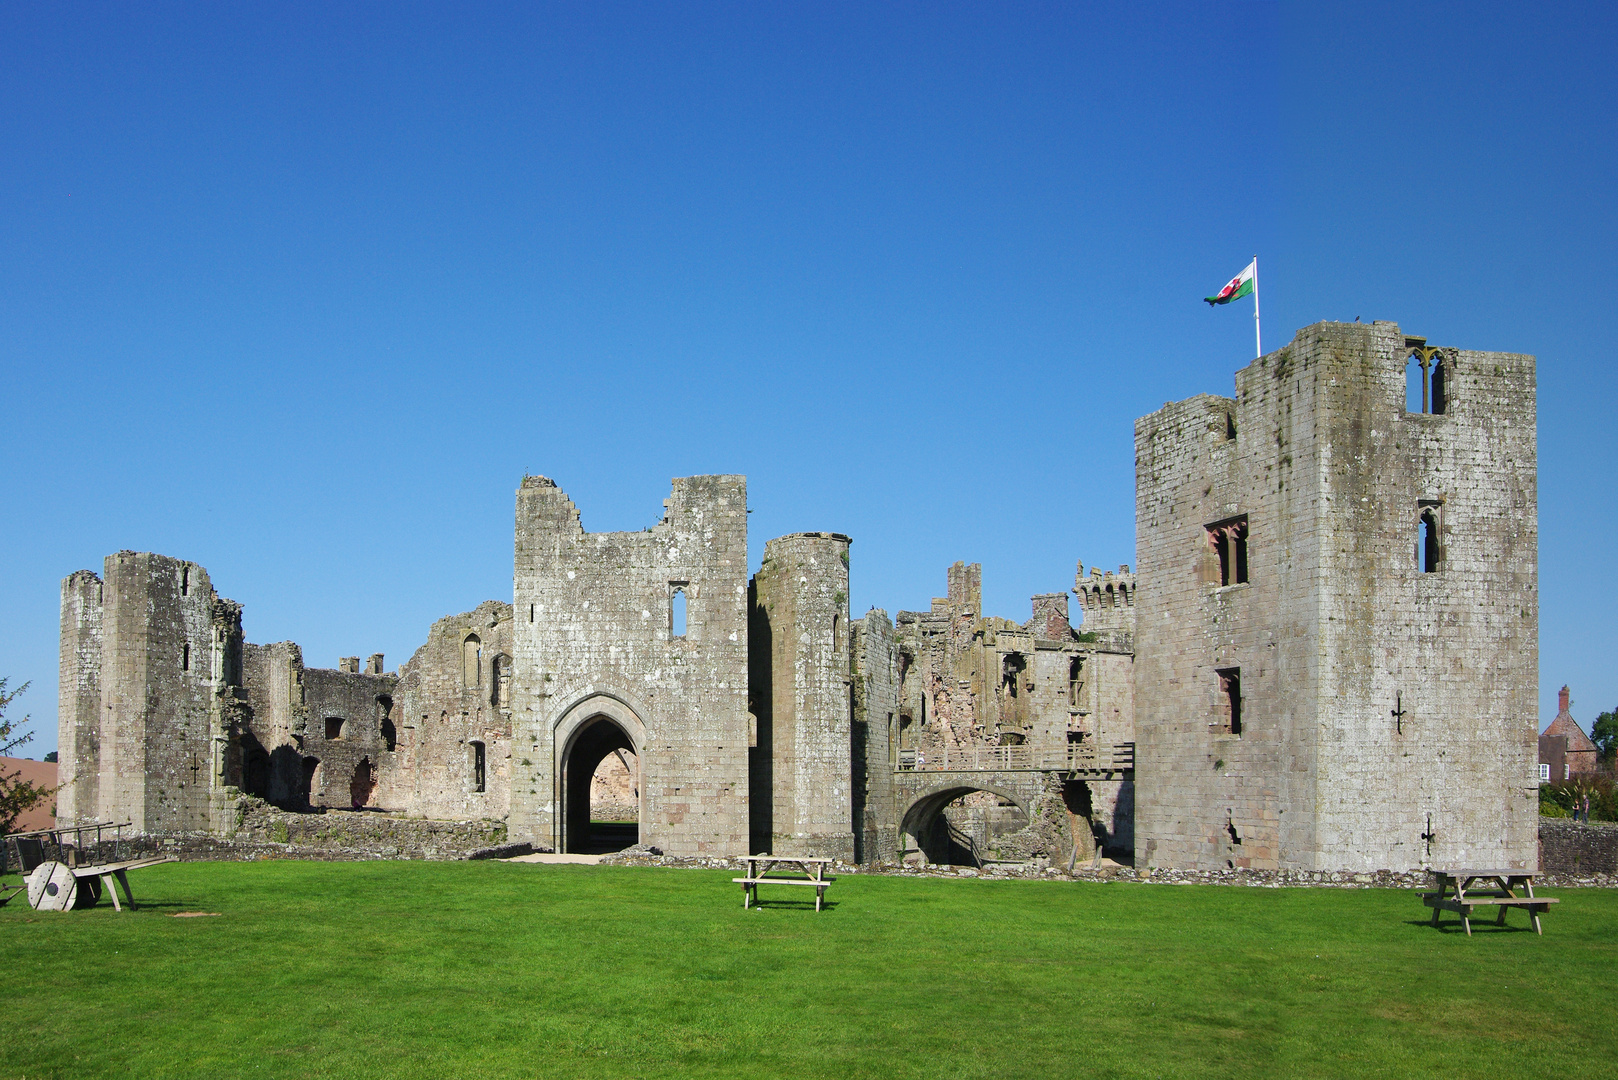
[[601, 732], [956, 825], [592, 743]]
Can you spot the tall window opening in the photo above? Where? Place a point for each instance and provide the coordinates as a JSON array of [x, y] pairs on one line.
[[500, 675], [472, 661], [1228, 720], [185, 581], [1427, 541], [1228, 539], [185, 657], [677, 606], [384, 716], [478, 762], [1426, 378], [1075, 681]]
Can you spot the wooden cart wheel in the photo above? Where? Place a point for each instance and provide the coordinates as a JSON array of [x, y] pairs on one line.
[[51, 887]]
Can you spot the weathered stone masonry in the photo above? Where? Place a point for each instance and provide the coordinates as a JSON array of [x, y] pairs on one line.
[[1318, 687], [1325, 661]]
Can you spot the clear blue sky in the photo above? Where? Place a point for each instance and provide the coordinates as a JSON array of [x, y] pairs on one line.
[[301, 291]]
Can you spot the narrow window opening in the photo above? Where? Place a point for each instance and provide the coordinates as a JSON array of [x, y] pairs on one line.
[[1427, 542], [836, 625], [677, 605], [530, 612], [384, 710], [1230, 829], [472, 662], [477, 766], [185, 581], [1228, 539], [1415, 385], [334, 727], [1075, 681], [1229, 717], [185, 657], [1426, 379], [1230, 426], [500, 669]]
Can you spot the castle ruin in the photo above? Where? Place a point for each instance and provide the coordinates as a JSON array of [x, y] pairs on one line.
[[1326, 659]]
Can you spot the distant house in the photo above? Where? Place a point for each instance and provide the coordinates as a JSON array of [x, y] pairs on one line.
[[1564, 749], [40, 774]]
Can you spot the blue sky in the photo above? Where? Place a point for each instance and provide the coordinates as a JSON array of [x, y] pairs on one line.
[[300, 292]]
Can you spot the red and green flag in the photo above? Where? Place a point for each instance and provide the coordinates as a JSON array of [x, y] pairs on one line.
[[1241, 285]]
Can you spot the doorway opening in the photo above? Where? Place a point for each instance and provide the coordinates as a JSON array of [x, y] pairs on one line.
[[601, 790]]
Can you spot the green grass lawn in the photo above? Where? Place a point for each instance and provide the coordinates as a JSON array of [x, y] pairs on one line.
[[447, 970]]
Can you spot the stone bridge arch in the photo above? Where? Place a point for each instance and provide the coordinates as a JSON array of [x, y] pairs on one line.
[[924, 836]]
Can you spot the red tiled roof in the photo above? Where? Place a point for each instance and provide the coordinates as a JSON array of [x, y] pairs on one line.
[[1577, 740]]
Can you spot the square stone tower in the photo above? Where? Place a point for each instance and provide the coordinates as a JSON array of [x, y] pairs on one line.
[[638, 641], [1337, 642]]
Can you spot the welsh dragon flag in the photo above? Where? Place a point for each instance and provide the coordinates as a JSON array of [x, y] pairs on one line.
[[1241, 285]]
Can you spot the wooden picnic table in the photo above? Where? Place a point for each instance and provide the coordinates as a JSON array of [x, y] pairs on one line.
[[808, 871], [1456, 892]]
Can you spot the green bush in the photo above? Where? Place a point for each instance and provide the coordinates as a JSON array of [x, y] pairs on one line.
[[1569, 795]]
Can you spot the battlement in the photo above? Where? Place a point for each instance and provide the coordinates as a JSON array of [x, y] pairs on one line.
[[1106, 600]]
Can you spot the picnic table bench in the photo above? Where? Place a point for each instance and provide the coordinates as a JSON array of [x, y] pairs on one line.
[[812, 872], [1455, 893]]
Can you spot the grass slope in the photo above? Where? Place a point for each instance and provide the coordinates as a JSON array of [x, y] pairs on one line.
[[444, 970]]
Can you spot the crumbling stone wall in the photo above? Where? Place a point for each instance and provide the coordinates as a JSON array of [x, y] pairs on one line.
[[164, 691], [79, 708], [454, 696], [875, 736], [595, 644], [1385, 713], [799, 633]]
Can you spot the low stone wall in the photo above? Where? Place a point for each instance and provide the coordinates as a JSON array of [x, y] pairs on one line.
[[1578, 848], [265, 832], [1040, 870]]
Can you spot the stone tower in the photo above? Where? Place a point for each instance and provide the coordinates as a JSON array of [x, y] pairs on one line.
[[151, 674], [637, 641], [1337, 644], [800, 689]]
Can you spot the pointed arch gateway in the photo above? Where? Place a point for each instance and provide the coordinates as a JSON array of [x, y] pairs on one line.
[[601, 728]]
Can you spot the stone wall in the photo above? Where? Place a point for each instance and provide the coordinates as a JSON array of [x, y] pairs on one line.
[[1569, 847], [454, 697], [78, 703], [600, 664], [875, 732], [155, 653], [798, 634], [1385, 714]]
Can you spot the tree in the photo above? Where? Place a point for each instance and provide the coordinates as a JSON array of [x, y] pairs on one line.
[[17, 796], [1605, 735]]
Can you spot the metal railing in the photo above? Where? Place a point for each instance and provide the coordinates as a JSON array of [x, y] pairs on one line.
[[1084, 757]]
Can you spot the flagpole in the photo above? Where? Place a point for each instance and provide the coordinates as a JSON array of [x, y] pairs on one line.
[[1258, 339]]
